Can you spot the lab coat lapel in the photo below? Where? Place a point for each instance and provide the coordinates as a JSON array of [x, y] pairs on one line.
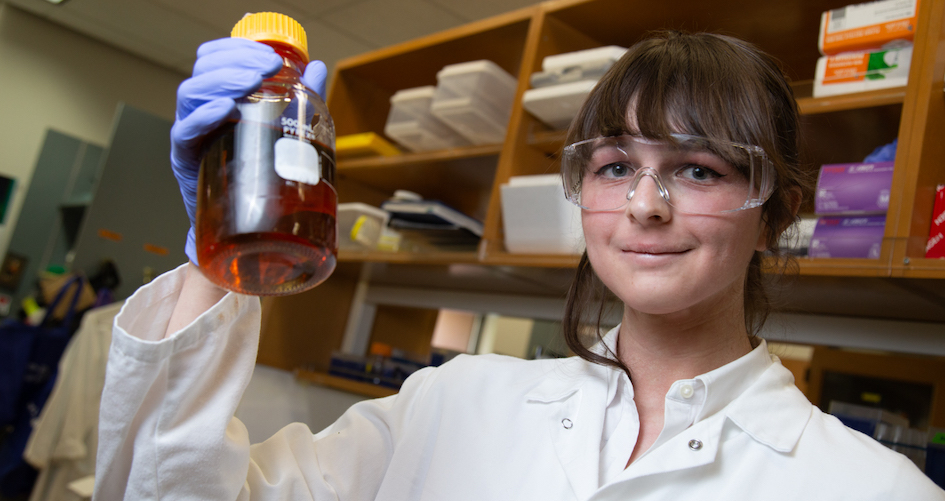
[[696, 446], [574, 418]]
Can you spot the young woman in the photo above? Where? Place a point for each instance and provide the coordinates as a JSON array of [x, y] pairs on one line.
[[684, 161]]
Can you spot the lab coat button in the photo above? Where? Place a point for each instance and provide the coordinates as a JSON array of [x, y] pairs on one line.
[[695, 444], [686, 391], [566, 423]]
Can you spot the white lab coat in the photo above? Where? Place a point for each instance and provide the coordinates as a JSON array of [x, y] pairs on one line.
[[477, 428], [64, 438]]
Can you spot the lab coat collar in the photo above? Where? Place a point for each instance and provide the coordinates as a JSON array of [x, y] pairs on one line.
[[772, 411], [755, 393], [752, 392]]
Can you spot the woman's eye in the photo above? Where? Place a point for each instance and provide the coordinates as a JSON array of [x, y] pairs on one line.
[[700, 173], [614, 170]]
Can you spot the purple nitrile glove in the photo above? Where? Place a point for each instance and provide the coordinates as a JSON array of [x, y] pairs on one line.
[[226, 69]]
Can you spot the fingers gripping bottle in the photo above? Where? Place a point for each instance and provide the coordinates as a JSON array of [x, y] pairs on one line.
[[266, 200]]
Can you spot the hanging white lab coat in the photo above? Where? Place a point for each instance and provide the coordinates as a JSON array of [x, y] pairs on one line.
[[477, 428], [64, 440]]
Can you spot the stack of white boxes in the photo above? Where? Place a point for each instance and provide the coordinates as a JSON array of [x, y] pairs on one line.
[[414, 127], [559, 90], [470, 104], [475, 99]]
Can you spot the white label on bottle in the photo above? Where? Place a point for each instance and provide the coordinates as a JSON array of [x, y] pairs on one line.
[[297, 160]]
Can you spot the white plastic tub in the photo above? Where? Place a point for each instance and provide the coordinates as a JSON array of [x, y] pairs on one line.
[[411, 124], [537, 219], [557, 105], [360, 226], [475, 99]]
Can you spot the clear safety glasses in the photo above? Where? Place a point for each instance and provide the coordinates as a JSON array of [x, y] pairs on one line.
[[693, 174]]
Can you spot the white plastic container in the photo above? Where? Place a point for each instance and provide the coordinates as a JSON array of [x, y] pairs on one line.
[[360, 226], [537, 219], [411, 124], [557, 105], [475, 99], [584, 59], [590, 64]]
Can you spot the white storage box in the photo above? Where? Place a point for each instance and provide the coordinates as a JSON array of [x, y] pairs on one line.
[[537, 219], [557, 105], [475, 99], [360, 226], [414, 127], [585, 59]]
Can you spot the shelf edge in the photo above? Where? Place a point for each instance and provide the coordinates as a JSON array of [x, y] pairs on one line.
[[340, 383]]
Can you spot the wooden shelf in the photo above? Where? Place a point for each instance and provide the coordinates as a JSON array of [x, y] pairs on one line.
[[843, 267], [422, 158], [343, 384], [923, 268], [434, 258], [859, 100], [532, 260]]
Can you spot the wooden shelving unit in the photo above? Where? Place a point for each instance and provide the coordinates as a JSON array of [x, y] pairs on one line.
[[834, 130]]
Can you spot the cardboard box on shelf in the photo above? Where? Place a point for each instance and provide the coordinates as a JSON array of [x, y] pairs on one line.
[[935, 249], [853, 189], [862, 71], [867, 26], [856, 237]]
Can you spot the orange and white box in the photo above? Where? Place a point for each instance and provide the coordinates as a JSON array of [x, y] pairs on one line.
[[936, 246], [867, 26], [862, 71]]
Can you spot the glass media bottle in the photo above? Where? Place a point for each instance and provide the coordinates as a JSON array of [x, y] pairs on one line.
[[266, 201]]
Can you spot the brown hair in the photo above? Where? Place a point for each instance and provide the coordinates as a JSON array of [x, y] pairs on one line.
[[702, 84]]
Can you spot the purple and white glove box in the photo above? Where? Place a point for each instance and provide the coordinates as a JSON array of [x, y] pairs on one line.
[[857, 188], [857, 237]]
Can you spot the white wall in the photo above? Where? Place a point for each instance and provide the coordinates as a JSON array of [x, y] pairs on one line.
[[51, 77]]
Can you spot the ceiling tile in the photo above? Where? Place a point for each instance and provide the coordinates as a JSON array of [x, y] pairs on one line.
[[385, 22], [162, 50], [330, 45], [147, 23], [481, 9], [317, 7], [222, 15]]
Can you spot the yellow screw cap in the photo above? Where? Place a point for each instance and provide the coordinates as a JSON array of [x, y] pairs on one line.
[[272, 27]]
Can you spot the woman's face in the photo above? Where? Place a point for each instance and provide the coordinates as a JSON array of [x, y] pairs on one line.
[[659, 261]]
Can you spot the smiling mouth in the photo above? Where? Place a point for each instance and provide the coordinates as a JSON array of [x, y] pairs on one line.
[[656, 252]]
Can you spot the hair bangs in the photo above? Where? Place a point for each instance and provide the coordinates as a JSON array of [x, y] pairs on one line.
[[678, 86]]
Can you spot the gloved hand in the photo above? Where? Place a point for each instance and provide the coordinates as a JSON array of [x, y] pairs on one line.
[[226, 69]]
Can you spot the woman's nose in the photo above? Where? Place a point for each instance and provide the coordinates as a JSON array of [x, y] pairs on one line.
[[647, 204]]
